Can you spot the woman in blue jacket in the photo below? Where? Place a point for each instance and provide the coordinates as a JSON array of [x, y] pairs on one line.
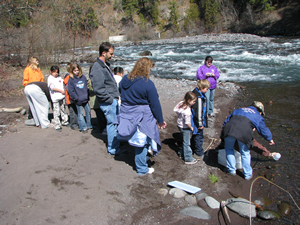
[[139, 114], [239, 126]]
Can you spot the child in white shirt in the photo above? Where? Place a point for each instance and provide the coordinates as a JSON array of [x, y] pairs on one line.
[[57, 93]]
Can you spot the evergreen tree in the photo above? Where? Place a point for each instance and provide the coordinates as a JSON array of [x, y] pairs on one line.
[[211, 12], [174, 15]]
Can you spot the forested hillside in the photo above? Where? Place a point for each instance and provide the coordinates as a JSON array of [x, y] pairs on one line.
[[44, 28]]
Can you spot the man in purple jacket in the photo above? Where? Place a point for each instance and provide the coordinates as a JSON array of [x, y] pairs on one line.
[[210, 73]]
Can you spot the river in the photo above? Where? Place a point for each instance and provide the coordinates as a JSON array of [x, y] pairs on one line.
[[270, 72]]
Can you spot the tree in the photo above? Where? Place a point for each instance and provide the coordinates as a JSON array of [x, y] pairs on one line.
[[193, 15], [265, 5], [130, 7], [211, 12], [174, 15]]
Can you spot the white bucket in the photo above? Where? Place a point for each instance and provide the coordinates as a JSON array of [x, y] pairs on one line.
[[222, 159]]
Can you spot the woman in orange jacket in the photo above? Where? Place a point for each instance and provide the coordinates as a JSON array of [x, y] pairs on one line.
[[32, 73]]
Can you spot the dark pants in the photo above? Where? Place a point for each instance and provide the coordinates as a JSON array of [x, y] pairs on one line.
[[29, 114], [197, 142], [101, 120], [73, 116]]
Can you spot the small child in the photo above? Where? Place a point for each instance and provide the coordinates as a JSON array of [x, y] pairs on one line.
[[183, 110], [199, 117], [69, 101], [57, 93], [78, 91], [118, 75]]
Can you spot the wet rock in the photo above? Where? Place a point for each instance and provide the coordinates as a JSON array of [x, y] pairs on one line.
[[241, 206], [268, 214], [284, 208], [162, 191], [145, 53], [177, 193], [212, 203], [201, 196], [195, 212], [262, 201], [190, 199]]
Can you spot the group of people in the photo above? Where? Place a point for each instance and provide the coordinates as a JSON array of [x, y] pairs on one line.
[[128, 107], [237, 131]]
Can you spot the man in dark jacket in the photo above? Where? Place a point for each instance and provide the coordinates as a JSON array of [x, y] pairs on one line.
[[107, 93], [239, 126]]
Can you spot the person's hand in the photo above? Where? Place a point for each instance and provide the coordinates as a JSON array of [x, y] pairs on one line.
[[192, 129], [271, 142], [63, 92], [162, 125], [201, 128], [212, 74]]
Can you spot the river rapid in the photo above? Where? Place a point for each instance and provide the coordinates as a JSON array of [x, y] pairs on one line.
[[270, 72]]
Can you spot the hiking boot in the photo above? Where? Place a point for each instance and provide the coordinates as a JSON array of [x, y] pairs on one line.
[[194, 161]]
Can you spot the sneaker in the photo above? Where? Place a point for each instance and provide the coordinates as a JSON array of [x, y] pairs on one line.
[[231, 174], [151, 170], [249, 178], [194, 161], [30, 122], [58, 129], [200, 157], [84, 131], [212, 115], [65, 123]]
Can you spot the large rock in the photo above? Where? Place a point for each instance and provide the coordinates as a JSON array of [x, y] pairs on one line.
[[195, 212], [241, 206], [212, 203]]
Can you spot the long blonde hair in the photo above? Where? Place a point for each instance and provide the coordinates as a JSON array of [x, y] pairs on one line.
[[32, 62], [73, 66], [141, 68]]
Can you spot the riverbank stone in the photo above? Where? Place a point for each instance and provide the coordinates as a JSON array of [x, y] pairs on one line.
[[195, 212], [212, 203], [201, 196], [190, 199], [241, 206], [177, 193], [268, 214]]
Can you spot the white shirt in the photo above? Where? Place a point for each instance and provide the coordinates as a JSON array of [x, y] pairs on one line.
[[55, 82]]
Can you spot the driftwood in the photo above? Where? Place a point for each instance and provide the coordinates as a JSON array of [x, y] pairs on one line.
[[16, 110]]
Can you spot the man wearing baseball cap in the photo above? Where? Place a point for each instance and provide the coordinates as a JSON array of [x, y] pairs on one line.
[[240, 126]]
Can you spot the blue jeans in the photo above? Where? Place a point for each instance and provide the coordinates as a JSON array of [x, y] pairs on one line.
[[140, 159], [111, 111], [197, 140], [210, 95], [81, 121], [245, 154], [186, 142]]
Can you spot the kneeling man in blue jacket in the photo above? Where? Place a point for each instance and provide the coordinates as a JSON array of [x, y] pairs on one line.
[[240, 126]]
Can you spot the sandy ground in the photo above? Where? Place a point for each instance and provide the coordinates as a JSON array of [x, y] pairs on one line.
[[69, 178]]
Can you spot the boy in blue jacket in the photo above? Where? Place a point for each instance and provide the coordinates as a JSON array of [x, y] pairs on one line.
[[199, 117]]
